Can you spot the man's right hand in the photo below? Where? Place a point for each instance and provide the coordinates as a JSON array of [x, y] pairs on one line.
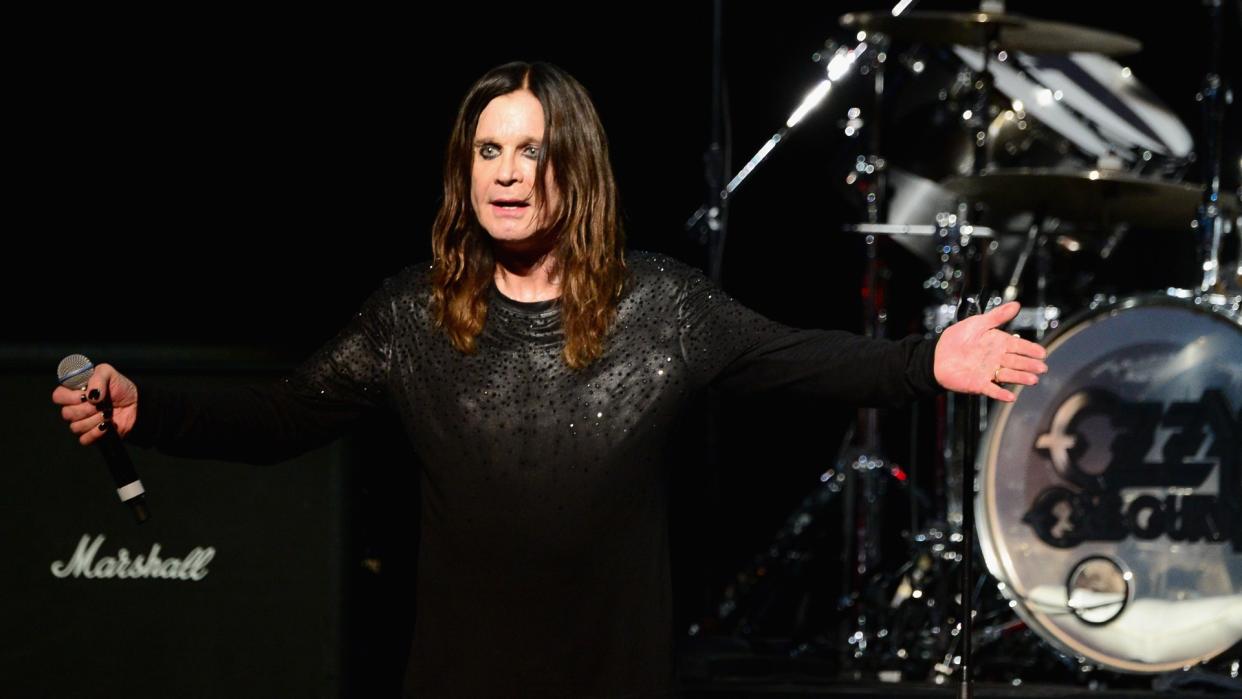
[[109, 402]]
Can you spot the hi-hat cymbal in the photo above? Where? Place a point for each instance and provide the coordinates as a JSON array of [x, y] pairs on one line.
[[1101, 196], [1011, 32]]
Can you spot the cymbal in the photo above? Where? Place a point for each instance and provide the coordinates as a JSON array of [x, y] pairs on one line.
[[1104, 196], [913, 230], [1011, 32]]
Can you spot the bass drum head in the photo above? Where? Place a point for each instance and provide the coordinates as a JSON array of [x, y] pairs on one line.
[[1110, 495]]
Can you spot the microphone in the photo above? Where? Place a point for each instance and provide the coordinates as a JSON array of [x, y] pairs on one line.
[[73, 373]]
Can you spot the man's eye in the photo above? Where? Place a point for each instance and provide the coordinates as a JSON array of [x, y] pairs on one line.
[[489, 150]]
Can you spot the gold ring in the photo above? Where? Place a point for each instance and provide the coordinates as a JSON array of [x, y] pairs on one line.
[[996, 374]]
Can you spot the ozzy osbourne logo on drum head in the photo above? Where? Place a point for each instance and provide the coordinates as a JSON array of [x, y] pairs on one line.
[[1171, 449], [1109, 493]]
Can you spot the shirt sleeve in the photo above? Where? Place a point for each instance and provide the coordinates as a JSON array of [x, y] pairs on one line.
[[731, 347], [339, 384]]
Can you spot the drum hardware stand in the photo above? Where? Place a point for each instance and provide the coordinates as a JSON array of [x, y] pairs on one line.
[[958, 258], [970, 426], [1037, 241], [837, 67], [1215, 97], [971, 430], [867, 472], [1014, 287], [959, 255], [791, 549], [866, 467]]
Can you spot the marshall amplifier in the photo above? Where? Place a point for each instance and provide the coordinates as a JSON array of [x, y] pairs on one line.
[[233, 588]]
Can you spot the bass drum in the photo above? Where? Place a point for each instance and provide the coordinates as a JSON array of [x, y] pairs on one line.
[[1110, 501]]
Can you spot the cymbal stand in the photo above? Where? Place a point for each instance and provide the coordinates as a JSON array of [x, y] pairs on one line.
[[970, 426], [1215, 97], [866, 467]]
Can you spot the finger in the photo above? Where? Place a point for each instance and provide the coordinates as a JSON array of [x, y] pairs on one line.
[[91, 436], [86, 425], [1026, 348], [1034, 366], [1003, 313], [97, 433], [97, 388], [1007, 375], [67, 396], [991, 390], [81, 411]]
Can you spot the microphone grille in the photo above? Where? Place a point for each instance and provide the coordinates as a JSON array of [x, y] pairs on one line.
[[74, 371]]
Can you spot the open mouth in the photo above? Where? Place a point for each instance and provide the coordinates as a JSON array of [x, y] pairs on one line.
[[511, 203]]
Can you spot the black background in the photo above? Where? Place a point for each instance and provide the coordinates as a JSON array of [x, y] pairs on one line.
[[216, 177], [226, 176]]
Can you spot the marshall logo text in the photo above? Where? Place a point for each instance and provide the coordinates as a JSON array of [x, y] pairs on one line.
[[1094, 510], [86, 563]]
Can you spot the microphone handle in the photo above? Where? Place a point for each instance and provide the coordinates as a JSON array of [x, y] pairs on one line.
[[129, 488]]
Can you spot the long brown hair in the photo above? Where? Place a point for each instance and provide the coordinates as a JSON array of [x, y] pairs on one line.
[[588, 252]]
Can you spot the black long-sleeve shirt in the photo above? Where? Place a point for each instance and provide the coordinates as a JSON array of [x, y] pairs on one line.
[[543, 567]]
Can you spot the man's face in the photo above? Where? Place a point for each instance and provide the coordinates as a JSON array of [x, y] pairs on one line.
[[507, 142]]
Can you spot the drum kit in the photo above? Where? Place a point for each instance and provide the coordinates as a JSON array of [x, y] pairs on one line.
[[1107, 500]]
